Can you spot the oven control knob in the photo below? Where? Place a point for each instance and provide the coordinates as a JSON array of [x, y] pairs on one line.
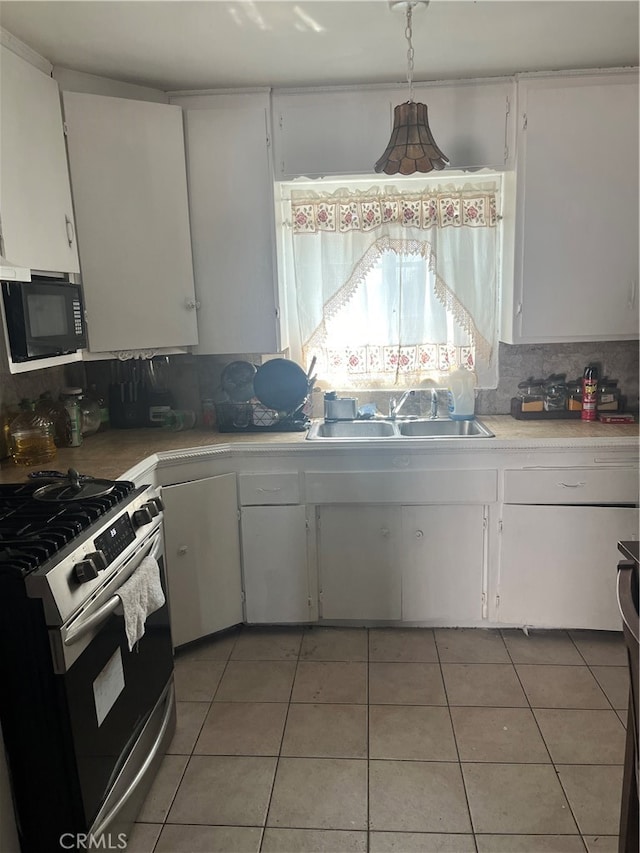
[[85, 570], [157, 502], [98, 559], [153, 509], [141, 516]]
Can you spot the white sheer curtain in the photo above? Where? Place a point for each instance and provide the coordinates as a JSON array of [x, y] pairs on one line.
[[393, 286]]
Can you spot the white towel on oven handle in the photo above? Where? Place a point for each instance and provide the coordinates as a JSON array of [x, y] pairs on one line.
[[141, 595]]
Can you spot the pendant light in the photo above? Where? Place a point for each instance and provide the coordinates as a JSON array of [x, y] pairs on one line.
[[412, 147]]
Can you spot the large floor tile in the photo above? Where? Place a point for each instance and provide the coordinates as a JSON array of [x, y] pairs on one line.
[[498, 735], [209, 839], [407, 645], [417, 796], [268, 644], [614, 680], [197, 680], [313, 841], [471, 645], [550, 647], [163, 789], [215, 647], [326, 731], [601, 648], [330, 682], [594, 794], [517, 798], [601, 843], [420, 842], [561, 687], [406, 684], [256, 681], [529, 844], [411, 732], [189, 719], [582, 737], [494, 685], [334, 644], [224, 790], [320, 793], [242, 728], [143, 837]]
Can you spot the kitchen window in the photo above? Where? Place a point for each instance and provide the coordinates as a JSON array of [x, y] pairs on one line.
[[392, 283]]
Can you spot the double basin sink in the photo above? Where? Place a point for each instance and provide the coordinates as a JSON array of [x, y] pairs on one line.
[[398, 429]]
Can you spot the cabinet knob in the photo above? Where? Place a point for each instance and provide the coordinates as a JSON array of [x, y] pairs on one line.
[[182, 550], [385, 531], [419, 534], [191, 304]]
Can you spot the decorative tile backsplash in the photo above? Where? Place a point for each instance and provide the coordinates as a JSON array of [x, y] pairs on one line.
[[193, 378]]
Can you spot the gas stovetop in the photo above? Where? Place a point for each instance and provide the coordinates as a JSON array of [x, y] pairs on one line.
[[33, 530]]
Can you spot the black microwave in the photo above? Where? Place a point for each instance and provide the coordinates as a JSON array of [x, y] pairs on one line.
[[44, 317]]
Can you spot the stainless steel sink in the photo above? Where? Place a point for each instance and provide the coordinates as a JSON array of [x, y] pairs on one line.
[[444, 429], [429, 429], [353, 429]]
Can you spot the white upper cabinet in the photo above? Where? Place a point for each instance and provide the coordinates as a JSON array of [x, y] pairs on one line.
[[329, 133], [576, 244], [232, 221], [470, 121], [36, 214], [129, 186], [346, 132]]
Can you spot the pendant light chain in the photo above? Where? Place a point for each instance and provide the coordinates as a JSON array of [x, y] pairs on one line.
[[408, 34]]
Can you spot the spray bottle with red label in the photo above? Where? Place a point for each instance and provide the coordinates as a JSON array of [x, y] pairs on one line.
[[589, 393]]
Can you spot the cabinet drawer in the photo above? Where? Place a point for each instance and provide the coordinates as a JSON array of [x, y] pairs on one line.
[[402, 487], [260, 489], [571, 486]]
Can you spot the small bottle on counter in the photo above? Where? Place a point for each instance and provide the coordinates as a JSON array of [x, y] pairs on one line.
[[70, 398], [589, 393]]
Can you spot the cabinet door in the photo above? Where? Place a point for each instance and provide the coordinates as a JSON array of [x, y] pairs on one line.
[[231, 207], [577, 212], [203, 557], [358, 561], [330, 133], [558, 565], [35, 198], [130, 193], [469, 121], [275, 565], [442, 563]]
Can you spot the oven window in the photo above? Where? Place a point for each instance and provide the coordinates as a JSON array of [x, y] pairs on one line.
[[47, 315]]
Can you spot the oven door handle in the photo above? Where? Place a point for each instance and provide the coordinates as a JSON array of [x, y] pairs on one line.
[[97, 831], [84, 626]]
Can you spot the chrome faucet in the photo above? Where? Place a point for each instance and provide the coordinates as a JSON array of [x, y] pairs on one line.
[[396, 405], [433, 411]]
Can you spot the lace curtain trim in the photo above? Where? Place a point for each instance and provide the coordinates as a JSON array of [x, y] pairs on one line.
[[366, 212], [366, 263]]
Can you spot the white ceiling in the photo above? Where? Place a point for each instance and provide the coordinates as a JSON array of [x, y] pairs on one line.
[[180, 44]]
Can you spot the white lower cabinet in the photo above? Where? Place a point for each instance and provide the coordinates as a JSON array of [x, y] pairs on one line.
[[275, 565], [202, 546], [442, 563], [359, 562], [558, 565]]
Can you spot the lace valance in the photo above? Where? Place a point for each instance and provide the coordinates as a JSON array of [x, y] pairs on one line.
[[341, 213]]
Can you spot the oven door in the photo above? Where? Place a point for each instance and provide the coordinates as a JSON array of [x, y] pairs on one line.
[[109, 691]]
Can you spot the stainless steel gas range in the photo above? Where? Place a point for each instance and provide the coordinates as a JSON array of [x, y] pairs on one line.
[[85, 721]]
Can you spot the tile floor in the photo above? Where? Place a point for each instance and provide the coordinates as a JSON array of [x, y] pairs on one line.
[[450, 740]]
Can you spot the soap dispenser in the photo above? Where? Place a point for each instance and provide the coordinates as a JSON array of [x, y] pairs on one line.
[[461, 395]]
